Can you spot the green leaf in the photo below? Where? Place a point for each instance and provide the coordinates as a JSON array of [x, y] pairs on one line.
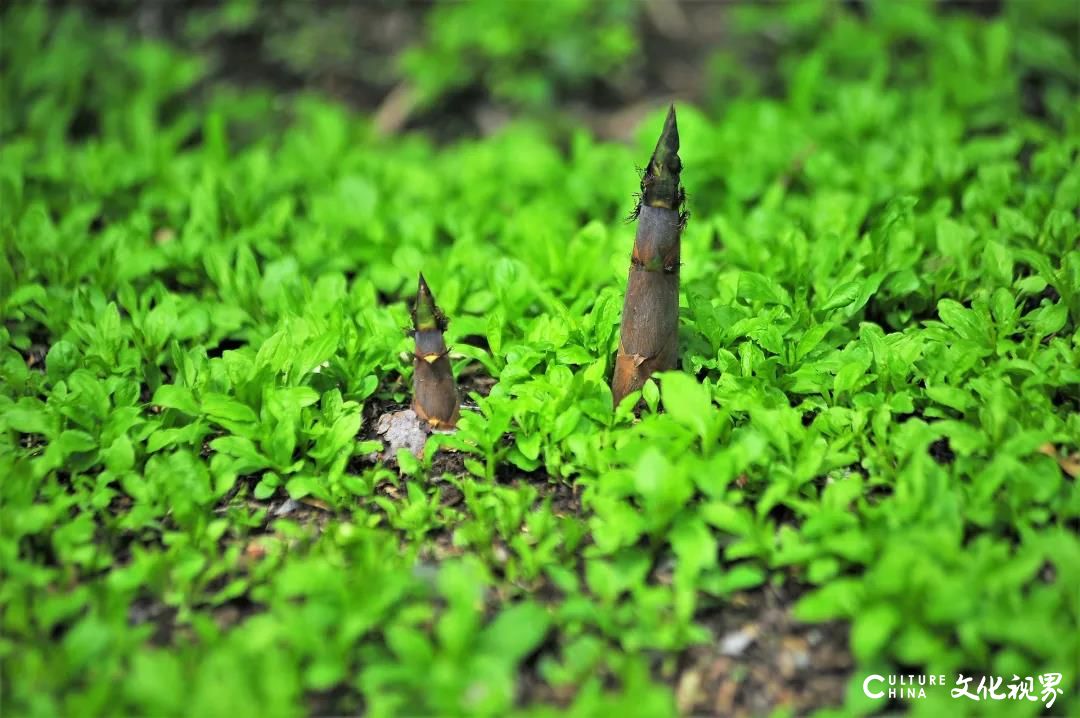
[[756, 287], [172, 396], [26, 294], [687, 401], [740, 577], [120, 456], [516, 632], [267, 486], [694, 546], [300, 486], [811, 339], [242, 449], [410, 645], [90, 391], [224, 408], [841, 296], [839, 599], [732, 519], [408, 463], [872, 629], [529, 445], [650, 392], [62, 359], [1050, 319], [29, 416], [848, 377], [963, 321], [950, 396], [73, 441], [954, 239]]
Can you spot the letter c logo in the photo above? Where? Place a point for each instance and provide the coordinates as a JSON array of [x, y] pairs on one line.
[[866, 686]]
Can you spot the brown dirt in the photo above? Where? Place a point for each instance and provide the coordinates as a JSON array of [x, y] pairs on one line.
[[763, 659]]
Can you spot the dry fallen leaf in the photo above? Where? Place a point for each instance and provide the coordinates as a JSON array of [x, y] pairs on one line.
[[255, 551], [316, 503], [1069, 464]]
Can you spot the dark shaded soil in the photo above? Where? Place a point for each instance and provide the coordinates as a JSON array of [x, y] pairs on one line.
[[760, 659], [764, 659], [941, 452], [146, 610], [341, 700]]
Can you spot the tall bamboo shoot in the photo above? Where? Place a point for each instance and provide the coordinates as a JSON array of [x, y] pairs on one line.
[[435, 397], [649, 335]]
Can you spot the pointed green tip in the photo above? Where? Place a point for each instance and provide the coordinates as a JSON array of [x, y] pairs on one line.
[[668, 144], [660, 186], [426, 314]]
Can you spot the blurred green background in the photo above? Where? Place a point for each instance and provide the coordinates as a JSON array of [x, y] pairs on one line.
[[461, 68]]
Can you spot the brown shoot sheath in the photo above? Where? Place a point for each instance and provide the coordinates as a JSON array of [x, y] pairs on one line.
[[649, 335], [435, 397]]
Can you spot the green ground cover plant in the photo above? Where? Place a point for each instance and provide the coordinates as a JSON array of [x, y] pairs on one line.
[[522, 53], [205, 296]]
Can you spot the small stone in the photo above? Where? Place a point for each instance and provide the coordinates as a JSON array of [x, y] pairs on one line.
[[286, 508], [401, 430], [794, 656], [734, 644]]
